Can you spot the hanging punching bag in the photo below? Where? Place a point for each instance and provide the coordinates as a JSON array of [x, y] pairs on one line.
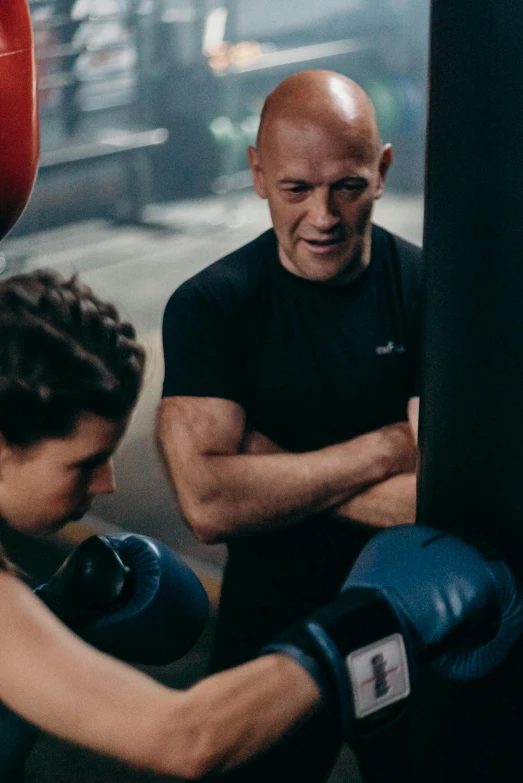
[[19, 130]]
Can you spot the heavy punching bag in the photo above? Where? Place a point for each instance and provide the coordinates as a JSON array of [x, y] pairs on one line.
[[19, 129]]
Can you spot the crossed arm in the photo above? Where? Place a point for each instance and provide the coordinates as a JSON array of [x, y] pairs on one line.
[[230, 481], [67, 688]]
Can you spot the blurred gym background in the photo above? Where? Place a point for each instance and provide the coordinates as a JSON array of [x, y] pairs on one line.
[[147, 108], [153, 100]]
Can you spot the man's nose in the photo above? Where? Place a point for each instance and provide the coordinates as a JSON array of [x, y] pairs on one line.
[[103, 480], [322, 213]]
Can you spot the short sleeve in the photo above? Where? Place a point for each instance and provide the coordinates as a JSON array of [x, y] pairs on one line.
[[201, 345]]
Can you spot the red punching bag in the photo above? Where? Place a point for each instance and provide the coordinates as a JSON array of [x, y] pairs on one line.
[[19, 130]]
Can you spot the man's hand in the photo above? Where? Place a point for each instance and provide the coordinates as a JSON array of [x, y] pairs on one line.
[[413, 416], [402, 445], [393, 501]]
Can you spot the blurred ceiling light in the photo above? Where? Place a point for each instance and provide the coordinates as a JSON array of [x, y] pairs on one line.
[[240, 55], [214, 31], [80, 9]]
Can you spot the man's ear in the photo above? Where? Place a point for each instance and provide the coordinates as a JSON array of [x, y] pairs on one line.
[[384, 165], [257, 172]]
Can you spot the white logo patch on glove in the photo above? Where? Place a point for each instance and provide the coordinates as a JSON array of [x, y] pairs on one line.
[[379, 675]]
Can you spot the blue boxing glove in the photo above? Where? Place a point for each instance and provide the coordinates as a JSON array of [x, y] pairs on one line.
[[413, 593], [129, 596], [463, 611]]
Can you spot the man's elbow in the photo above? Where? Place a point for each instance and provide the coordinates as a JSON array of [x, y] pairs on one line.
[[202, 762], [207, 519]]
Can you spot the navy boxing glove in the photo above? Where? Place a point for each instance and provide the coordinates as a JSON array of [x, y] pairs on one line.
[[464, 612], [358, 651], [410, 591], [129, 596]]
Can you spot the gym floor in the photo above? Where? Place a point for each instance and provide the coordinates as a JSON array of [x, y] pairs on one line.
[[138, 267]]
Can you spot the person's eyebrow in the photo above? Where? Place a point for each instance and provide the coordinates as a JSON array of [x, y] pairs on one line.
[[292, 181], [93, 459], [362, 180], [341, 181]]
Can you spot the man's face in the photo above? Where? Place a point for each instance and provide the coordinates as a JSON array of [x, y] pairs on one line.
[[42, 487], [321, 186]]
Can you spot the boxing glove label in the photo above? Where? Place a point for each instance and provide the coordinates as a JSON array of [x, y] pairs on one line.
[[379, 675]]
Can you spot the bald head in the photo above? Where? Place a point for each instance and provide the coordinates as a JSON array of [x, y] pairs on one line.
[[319, 98], [320, 164]]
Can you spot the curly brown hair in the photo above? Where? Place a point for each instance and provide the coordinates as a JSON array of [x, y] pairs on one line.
[[62, 351]]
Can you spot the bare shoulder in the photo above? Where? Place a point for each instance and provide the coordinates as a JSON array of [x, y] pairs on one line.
[[14, 595], [20, 609], [24, 623]]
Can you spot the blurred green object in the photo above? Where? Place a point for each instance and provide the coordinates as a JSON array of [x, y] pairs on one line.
[[399, 104], [232, 140]]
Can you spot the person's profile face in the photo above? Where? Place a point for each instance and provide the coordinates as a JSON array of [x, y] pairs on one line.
[[321, 186], [46, 485]]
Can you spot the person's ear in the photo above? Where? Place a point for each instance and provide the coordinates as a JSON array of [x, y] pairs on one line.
[[257, 171], [384, 165]]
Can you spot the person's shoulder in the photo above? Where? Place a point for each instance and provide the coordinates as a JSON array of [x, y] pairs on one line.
[[239, 265], [228, 281], [401, 258], [253, 254], [399, 263], [406, 252], [233, 272]]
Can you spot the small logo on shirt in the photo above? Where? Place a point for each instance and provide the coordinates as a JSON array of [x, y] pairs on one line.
[[391, 347]]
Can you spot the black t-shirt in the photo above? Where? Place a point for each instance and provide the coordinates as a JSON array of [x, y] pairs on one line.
[[312, 365]]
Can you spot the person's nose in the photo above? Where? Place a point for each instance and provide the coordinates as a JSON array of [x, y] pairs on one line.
[[103, 480], [323, 215]]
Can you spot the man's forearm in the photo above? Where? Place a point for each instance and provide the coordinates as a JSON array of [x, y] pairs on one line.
[[391, 502], [225, 495], [384, 504]]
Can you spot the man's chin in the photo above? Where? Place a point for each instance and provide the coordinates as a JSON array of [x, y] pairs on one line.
[[338, 266], [333, 271]]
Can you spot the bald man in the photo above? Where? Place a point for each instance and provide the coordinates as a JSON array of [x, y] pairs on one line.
[[290, 368]]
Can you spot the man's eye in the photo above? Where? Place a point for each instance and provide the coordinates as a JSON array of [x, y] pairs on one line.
[[297, 189], [351, 187]]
